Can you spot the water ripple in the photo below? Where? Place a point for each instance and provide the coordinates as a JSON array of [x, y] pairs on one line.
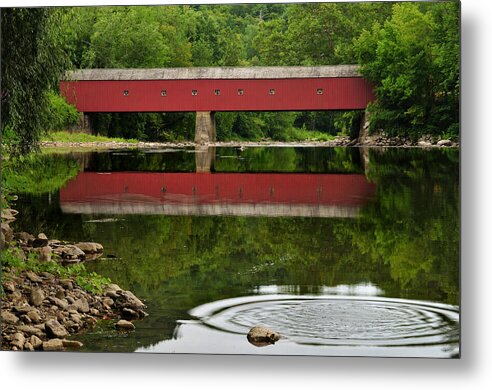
[[336, 320]]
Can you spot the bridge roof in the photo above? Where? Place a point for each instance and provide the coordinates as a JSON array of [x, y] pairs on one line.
[[257, 72]]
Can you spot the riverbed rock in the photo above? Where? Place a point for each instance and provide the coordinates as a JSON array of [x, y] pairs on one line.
[[33, 277], [74, 344], [69, 253], [9, 215], [55, 329], [424, 144], [129, 314], [8, 286], [40, 241], [31, 330], [444, 142], [24, 238], [81, 305], [18, 340], [89, 247], [261, 336], [35, 341], [8, 317], [53, 345], [125, 325], [37, 297], [7, 232], [34, 316]]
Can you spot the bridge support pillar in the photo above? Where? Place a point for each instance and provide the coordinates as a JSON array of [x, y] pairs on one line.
[[364, 128], [84, 124], [204, 158], [205, 127]]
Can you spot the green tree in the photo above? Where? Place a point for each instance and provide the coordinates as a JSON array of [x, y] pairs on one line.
[[33, 57], [413, 60]]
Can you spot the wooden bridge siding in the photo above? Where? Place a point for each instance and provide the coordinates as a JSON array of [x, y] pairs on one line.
[[344, 93], [210, 188]]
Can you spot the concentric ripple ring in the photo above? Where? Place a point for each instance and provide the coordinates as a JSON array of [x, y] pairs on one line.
[[337, 320]]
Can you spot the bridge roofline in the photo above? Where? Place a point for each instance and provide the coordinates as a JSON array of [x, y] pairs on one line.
[[257, 72]]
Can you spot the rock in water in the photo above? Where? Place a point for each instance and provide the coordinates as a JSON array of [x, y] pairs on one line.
[[53, 345], [126, 325], [261, 336], [89, 247]]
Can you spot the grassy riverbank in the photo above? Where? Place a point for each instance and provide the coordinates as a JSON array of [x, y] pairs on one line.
[[69, 137]]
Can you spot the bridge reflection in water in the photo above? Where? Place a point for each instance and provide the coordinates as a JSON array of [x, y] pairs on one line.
[[202, 193]]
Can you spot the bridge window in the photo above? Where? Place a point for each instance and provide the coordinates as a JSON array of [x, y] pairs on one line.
[[217, 92], [194, 92], [240, 91], [319, 91], [126, 92], [272, 91], [163, 93]]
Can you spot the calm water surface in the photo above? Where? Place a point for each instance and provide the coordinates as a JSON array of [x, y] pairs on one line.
[[344, 251]]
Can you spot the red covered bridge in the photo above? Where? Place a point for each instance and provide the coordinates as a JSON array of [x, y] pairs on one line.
[[207, 90], [253, 194]]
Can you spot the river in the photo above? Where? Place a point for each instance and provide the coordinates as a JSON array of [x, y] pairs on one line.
[[343, 251]]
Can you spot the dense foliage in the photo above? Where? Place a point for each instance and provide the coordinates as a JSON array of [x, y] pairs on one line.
[[413, 59], [32, 58], [409, 51]]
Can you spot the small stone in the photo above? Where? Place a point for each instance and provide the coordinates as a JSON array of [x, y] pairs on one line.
[[67, 283], [261, 336], [25, 319], [37, 297], [126, 325], [53, 345], [8, 286], [94, 312], [33, 277], [81, 305], [424, 144], [34, 316], [72, 344], [61, 303], [60, 294], [108, 302], [8, 317], [35, 341], [18, 340], [55, 329], [24, 238], [23, 309], [31, 330], [40, 241], [28, 346]]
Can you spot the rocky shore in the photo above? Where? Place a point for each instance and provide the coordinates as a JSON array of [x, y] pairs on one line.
[[44, 311], [369, 141]]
